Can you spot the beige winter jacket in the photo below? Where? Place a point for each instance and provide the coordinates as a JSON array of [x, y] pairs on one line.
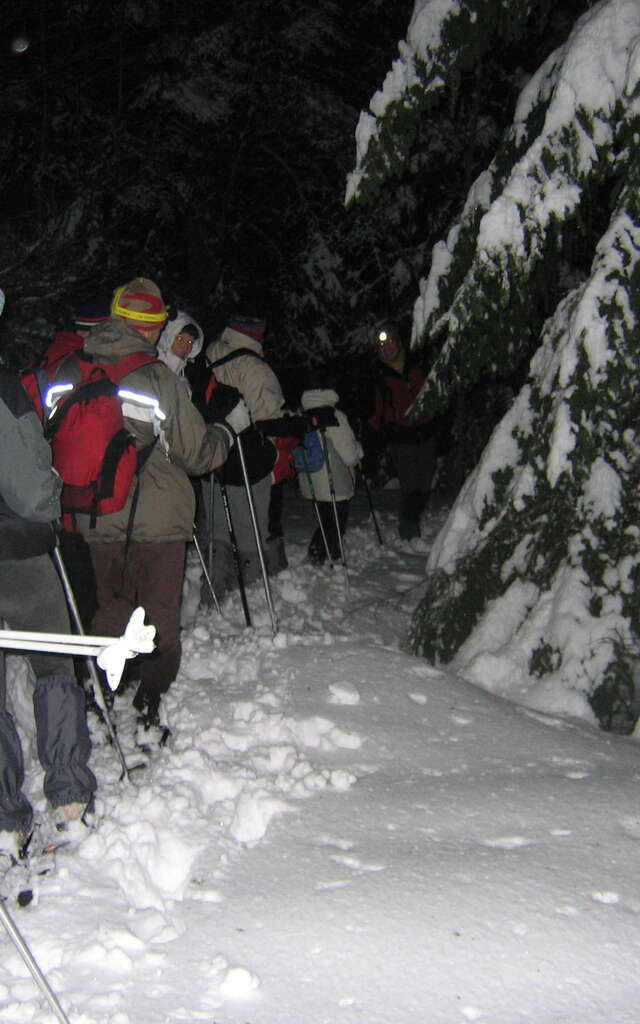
[[185, 445], [253, 378]]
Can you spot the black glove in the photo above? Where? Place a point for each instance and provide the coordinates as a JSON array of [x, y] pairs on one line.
[[295, 425], [322, 416], [227, 406]]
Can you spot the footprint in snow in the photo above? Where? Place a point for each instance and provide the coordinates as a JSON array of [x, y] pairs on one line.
[[631, 827], [343, 693], [339, 844], [354, 863], [605, 896], [506, 842]]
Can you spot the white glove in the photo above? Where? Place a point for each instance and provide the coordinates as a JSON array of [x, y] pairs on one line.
[[239, 418]]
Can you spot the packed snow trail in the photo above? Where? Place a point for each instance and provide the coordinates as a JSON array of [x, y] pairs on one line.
[[341, 832]]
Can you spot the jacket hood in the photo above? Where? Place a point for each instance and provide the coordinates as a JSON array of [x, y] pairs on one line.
[[114, 339], [318, 396], [166, 339]]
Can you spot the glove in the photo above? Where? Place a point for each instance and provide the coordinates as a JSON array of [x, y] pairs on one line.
[[295, 425], [239, 418], [228, 408], [322, 416]]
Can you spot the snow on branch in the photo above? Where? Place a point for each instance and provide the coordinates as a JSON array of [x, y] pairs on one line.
[[444, 37], [570, 127]]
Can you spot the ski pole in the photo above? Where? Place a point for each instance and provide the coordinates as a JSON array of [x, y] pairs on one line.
[[14, 641], [234, 550], [332, 492], [93, 672], [32, 640], [316, 506], [206, 572], [256, 530], [29, 960], [371, 508], [210, 524]]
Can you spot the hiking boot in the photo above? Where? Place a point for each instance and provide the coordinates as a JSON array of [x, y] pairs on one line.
[[151, 734], [13, 842], [316, 556], [408, 530], [70, 812], [275, 556]]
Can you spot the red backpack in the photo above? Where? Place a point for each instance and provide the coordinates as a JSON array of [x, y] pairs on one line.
[[92, 449], [36, 378]]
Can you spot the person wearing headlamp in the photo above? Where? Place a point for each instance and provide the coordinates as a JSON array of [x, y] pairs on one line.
[[411, 444]]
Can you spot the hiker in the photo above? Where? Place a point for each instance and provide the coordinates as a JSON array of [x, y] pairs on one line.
[[36, 378], [344, 452], [139, 551], [411, 445], [32, 598], [180, 343], [237, 359], [73, 547]]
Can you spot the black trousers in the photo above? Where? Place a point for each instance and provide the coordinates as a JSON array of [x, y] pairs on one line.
[[317, 550]]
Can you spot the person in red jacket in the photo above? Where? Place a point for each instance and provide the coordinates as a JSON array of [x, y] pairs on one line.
[[411, 444]]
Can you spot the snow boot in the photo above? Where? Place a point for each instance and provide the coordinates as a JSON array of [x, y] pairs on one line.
[[151, 734]]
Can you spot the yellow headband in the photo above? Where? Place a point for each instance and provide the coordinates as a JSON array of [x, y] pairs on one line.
[[135, 314]]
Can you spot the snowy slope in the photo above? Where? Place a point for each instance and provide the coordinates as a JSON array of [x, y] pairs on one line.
[[341, 832]]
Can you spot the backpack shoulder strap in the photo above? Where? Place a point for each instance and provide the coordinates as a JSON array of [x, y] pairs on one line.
[[234, 355], [126, 365]]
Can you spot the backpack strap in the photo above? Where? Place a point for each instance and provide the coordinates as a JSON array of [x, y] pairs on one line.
[[117, 371], [234, 355], [143, 455]]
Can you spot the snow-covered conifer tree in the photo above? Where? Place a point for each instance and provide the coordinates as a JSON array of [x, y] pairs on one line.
[[534, 577]]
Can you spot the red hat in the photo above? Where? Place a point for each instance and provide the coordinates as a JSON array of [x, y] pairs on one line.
[[253, 327]]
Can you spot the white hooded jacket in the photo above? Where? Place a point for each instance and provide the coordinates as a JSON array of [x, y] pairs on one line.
[[344, 449], [171, 329]]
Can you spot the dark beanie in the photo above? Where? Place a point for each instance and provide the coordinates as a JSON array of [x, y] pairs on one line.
[[91, 313], [253, 327]]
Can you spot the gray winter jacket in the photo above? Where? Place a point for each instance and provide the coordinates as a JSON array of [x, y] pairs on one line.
[[29, 486]]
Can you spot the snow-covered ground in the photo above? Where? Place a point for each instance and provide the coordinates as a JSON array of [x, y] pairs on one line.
[[341, 832]]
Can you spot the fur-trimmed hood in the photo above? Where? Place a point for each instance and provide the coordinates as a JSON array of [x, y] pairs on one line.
[[166, 339]]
